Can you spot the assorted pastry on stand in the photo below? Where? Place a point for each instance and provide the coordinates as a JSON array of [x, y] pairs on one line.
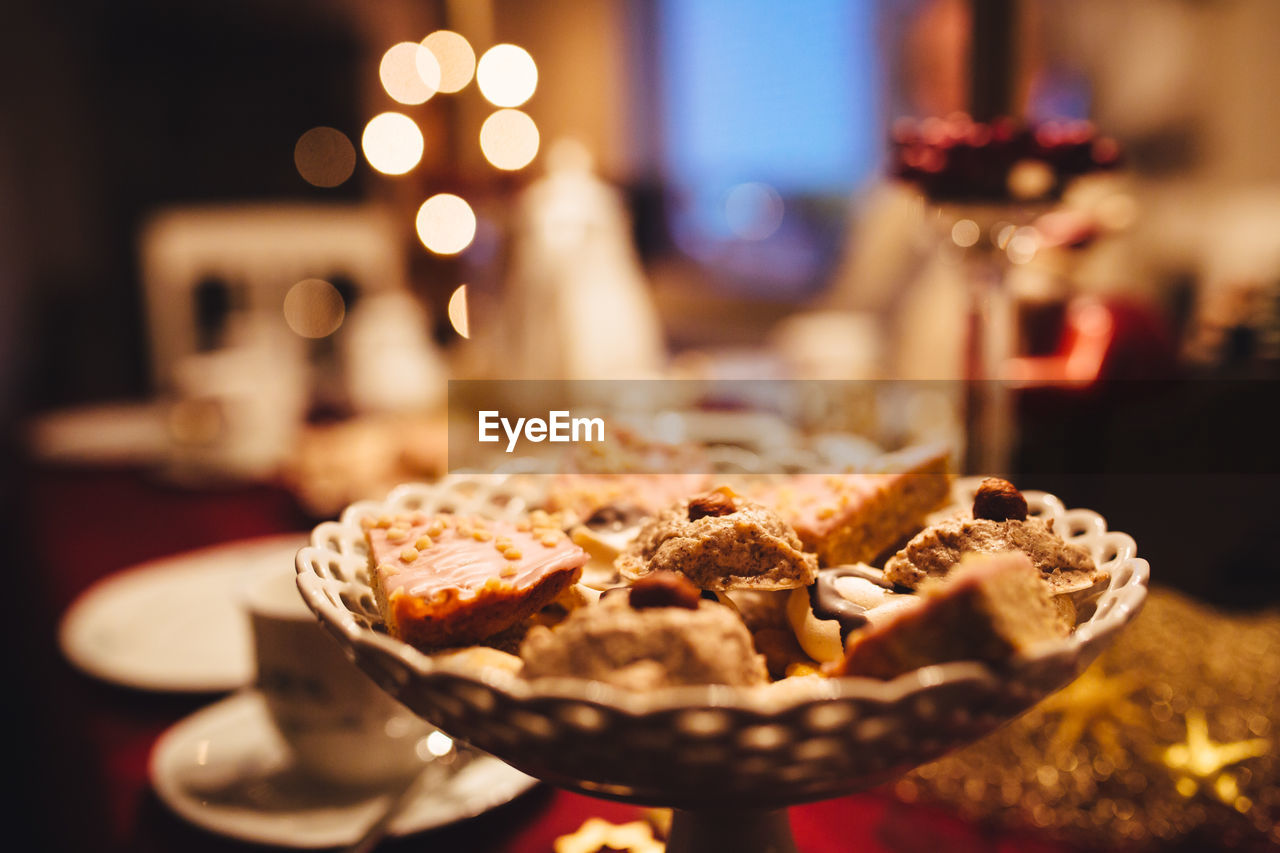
[[733, 587]]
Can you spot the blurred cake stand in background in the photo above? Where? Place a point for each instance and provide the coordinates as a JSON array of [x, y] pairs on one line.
[[986, 183]]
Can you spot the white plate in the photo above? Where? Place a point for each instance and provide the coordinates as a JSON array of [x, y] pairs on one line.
[[174, 624], [226, 770]]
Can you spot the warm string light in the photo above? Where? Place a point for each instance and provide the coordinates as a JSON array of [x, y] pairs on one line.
[[509, 139], [392, 143], [459, 315], [507, 75], [410, 73], [446, 224], [413, 72], [454, 58]]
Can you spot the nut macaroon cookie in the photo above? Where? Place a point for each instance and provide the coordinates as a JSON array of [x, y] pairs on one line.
[[720, 541], [659, 632], [999, 522]]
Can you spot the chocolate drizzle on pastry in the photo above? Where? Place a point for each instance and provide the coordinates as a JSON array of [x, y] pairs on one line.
[[625, 591], [829, 604], [615, 592], [615, 517]]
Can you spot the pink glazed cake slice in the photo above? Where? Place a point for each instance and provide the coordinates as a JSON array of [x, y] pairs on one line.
[[448, 580], [852, 518]]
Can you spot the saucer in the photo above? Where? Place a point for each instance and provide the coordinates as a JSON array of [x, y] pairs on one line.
[[174, 624], [226, 770]]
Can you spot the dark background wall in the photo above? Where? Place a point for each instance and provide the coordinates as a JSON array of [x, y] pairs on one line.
[[112, 109]]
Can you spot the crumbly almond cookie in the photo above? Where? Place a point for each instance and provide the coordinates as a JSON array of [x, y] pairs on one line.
[[935, 550], [721, 542], [999, 523], [646, 648]]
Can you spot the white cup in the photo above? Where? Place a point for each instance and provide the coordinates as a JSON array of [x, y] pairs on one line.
[[341, 727]]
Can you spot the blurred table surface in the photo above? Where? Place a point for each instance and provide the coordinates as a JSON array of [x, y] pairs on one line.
[[87, 743]]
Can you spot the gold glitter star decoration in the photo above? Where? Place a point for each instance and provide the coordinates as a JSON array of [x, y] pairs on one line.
[[597, 835], [1168, 739], [1098, 703], [1199, 760]]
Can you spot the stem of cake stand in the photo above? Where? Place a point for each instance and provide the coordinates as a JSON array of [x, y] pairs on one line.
[[739, 830], [988, 415]]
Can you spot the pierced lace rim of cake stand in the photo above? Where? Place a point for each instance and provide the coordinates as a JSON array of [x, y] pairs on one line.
[[332, 577]]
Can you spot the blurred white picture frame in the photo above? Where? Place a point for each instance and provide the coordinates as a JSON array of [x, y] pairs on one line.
[[239, 392]]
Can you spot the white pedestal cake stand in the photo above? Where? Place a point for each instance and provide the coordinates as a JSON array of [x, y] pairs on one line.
[[728, 760]]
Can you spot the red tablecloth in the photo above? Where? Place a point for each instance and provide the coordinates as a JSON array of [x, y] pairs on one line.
[[86, 744]]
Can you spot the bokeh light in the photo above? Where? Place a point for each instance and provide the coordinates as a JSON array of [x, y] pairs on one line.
[[507, 75], [753, 211], [454, 58], [446, 224], [314, 308], [965, 233], [999, 233], [392, 143], [409, 73], [1030, 179], [1023, 245], [439, 744], [509, 139], [458, 314], [324, 156]]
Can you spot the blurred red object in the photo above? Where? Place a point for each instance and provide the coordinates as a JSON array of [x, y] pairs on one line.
[[1101, 340]]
